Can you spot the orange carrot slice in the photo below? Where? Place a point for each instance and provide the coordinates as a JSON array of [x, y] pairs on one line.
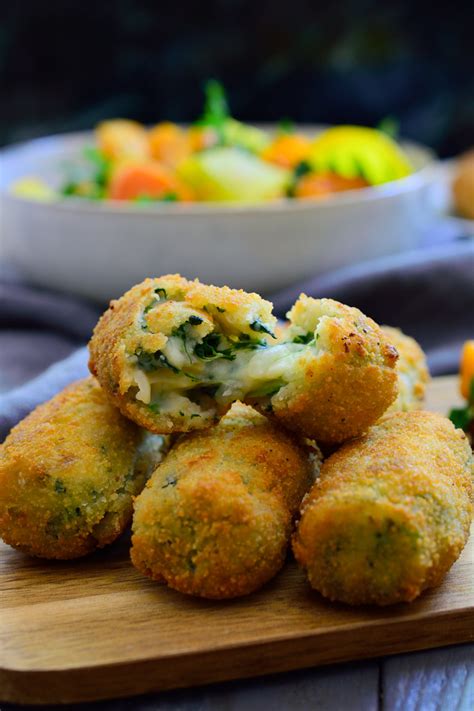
[[315, 185], [132, 181], [169, 144], [287, 150], [467, 369]]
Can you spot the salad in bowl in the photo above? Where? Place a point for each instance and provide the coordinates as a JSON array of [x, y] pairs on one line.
[[220, 159]]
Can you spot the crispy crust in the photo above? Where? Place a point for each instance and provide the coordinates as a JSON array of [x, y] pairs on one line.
[[390, 512], [67, 475], [412, 371], [339, 392], [215, 519]]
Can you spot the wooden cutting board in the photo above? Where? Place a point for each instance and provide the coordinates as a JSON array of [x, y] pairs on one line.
[[96, 628]]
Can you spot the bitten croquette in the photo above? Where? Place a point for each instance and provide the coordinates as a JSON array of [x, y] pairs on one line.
[[173, 355], [215, 518], [68, 473], [390, 512]]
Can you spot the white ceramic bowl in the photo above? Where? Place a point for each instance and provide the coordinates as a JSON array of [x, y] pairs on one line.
[[100, 249]]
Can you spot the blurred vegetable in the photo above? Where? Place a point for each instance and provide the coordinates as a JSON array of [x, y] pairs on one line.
[[227, 130], [466, 370], [463, 417], [33, 189], [390, 126], [90, 178], [359, 152], [463, 186], [315, 185], [120, 138], [169, 144], [287, 150], [222, 174], [216, 109], [285, 125], [245, 136], [146, 182], [201, 137], [220, 158]]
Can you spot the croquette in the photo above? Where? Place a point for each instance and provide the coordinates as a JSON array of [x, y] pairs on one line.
[[390, 512], [68, 473], [215, 518], [412, 371], [463, 185], [173, 355]]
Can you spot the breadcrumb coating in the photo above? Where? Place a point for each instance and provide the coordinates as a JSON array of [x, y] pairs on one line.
[[390, 512], [412, 371], [153, 328], [68, 473], [345, 381], [174, 355], [215, 518]]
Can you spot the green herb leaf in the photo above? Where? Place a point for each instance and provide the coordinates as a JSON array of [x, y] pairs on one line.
[[216, 109], [161, 292], [260, 327], [304, 339], [460, 417], [152, 361], [195, 320], [208, 349], [150, 306], [145, 199], [100, 163], [59, 487], [286, 125], [390, 126], [470, 398], [303, 168]]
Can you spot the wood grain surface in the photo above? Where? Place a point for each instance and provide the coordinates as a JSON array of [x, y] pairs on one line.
[[95, 628]]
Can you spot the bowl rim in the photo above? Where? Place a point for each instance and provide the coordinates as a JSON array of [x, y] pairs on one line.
[[417, 179]]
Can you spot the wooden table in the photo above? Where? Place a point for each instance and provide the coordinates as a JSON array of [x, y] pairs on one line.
[[438, 680]]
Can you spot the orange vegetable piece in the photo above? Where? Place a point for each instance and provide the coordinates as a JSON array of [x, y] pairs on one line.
[[149, 180], [466, 369], [315, 185], [201, 137], [169, 144], [287, 150], [121, 138]]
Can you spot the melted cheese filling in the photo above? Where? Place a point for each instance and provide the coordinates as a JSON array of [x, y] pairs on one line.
[[252, 372]]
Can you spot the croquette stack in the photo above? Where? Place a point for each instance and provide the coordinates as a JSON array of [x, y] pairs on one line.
[[242, 404]]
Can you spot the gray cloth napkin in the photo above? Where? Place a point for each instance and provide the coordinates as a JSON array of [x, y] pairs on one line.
[[428, 293]]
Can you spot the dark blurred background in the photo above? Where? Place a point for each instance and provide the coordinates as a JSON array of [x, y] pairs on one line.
[[65, 64]]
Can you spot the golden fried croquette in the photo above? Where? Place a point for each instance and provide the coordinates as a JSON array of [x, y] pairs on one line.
[[67, 474], [215, 518], [173, 355], [336, 372], [411, 367], [412, 371], [390, 512], [159, 350]]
